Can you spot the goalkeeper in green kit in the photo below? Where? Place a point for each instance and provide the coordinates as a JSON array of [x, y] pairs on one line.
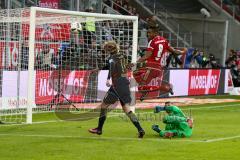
[[177, 124]]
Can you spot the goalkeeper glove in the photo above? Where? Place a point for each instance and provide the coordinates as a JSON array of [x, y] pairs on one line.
[[156, 128], [158, 109]]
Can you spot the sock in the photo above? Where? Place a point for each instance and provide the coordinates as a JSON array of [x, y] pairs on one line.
[[102, 118], [134, 120]]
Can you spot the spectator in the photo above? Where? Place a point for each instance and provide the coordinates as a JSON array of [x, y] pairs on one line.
[[107, 31], [105, 10], [117, 5], [24, 55], [227, 2], [193, 58], [2, 5], [124, 10], [125, 2], [130, 10], [115, 30], [233, 63], [44, 58], [141, 23], [174, 61], [232, 57], [213, 63], [238, 7], [238, 56], [108, 2], [134, 11], [235, 72]]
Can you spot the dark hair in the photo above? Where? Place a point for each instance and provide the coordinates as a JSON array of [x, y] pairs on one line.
[[153, 26], [168, 102], [211, 57]]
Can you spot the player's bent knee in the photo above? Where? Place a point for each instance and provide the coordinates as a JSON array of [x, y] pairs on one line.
[[104, 105], [126, 108]]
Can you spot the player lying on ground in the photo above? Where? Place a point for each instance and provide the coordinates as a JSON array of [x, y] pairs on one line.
[[151, 64], [177, 124], [119, 89]]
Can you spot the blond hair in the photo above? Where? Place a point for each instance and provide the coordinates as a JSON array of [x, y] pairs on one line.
[[111, 46]]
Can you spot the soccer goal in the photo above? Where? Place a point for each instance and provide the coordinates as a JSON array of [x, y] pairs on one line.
[[49, 59]]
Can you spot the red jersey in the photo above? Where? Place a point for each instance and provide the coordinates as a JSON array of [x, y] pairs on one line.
[[159, 48]]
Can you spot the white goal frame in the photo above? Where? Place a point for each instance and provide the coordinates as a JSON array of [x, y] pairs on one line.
[[34, 10]]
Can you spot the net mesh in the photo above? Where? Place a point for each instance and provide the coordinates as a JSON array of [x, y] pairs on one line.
[[68, 49]]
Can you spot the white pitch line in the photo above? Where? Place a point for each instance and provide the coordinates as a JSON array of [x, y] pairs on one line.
[[196, 108], [229, 105], [124, 138], [222, 139], [104, 138], [52, 121]]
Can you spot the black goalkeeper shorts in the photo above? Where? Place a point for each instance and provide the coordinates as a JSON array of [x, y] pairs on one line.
[[120, 91]]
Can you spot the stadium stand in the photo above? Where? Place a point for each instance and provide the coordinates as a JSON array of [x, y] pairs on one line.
[[232, 7]]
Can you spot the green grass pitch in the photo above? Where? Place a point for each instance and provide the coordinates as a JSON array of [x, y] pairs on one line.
[[216, 136]]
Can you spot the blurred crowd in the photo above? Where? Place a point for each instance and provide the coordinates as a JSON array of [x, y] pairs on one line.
[[233, 63], [193, 58], [233, 3], [121, 6], [197, 59]]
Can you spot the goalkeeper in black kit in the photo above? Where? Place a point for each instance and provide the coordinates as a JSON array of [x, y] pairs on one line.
[[119, 88]]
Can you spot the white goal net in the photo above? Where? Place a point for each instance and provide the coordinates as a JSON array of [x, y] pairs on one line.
[[47, 59]]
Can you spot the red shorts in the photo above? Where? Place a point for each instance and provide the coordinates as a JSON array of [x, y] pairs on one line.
[[145, 74]]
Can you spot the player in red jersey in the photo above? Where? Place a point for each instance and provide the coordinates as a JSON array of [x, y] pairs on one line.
[[151, 64]]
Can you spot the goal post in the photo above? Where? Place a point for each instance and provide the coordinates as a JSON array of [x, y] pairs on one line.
[[31, 44], [54, 61]]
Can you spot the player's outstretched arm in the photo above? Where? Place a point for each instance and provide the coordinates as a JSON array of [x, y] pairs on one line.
[[176, 51], [158, 109], [145, 56]]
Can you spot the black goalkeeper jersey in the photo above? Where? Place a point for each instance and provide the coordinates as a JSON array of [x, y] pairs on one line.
[[117, 67]]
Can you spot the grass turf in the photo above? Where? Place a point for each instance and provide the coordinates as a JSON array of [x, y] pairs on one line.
[[70, 140]]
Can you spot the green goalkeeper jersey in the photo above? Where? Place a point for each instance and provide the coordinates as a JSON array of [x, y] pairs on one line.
[[174, 111], [176, 122]]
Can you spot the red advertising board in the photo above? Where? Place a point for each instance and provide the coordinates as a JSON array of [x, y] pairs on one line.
[[49, 31], [203, 82], [72, 84], [9, 51], [8, 54]]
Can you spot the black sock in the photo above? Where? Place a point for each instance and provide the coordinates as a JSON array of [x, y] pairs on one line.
[[102, 118], [134, 120]]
